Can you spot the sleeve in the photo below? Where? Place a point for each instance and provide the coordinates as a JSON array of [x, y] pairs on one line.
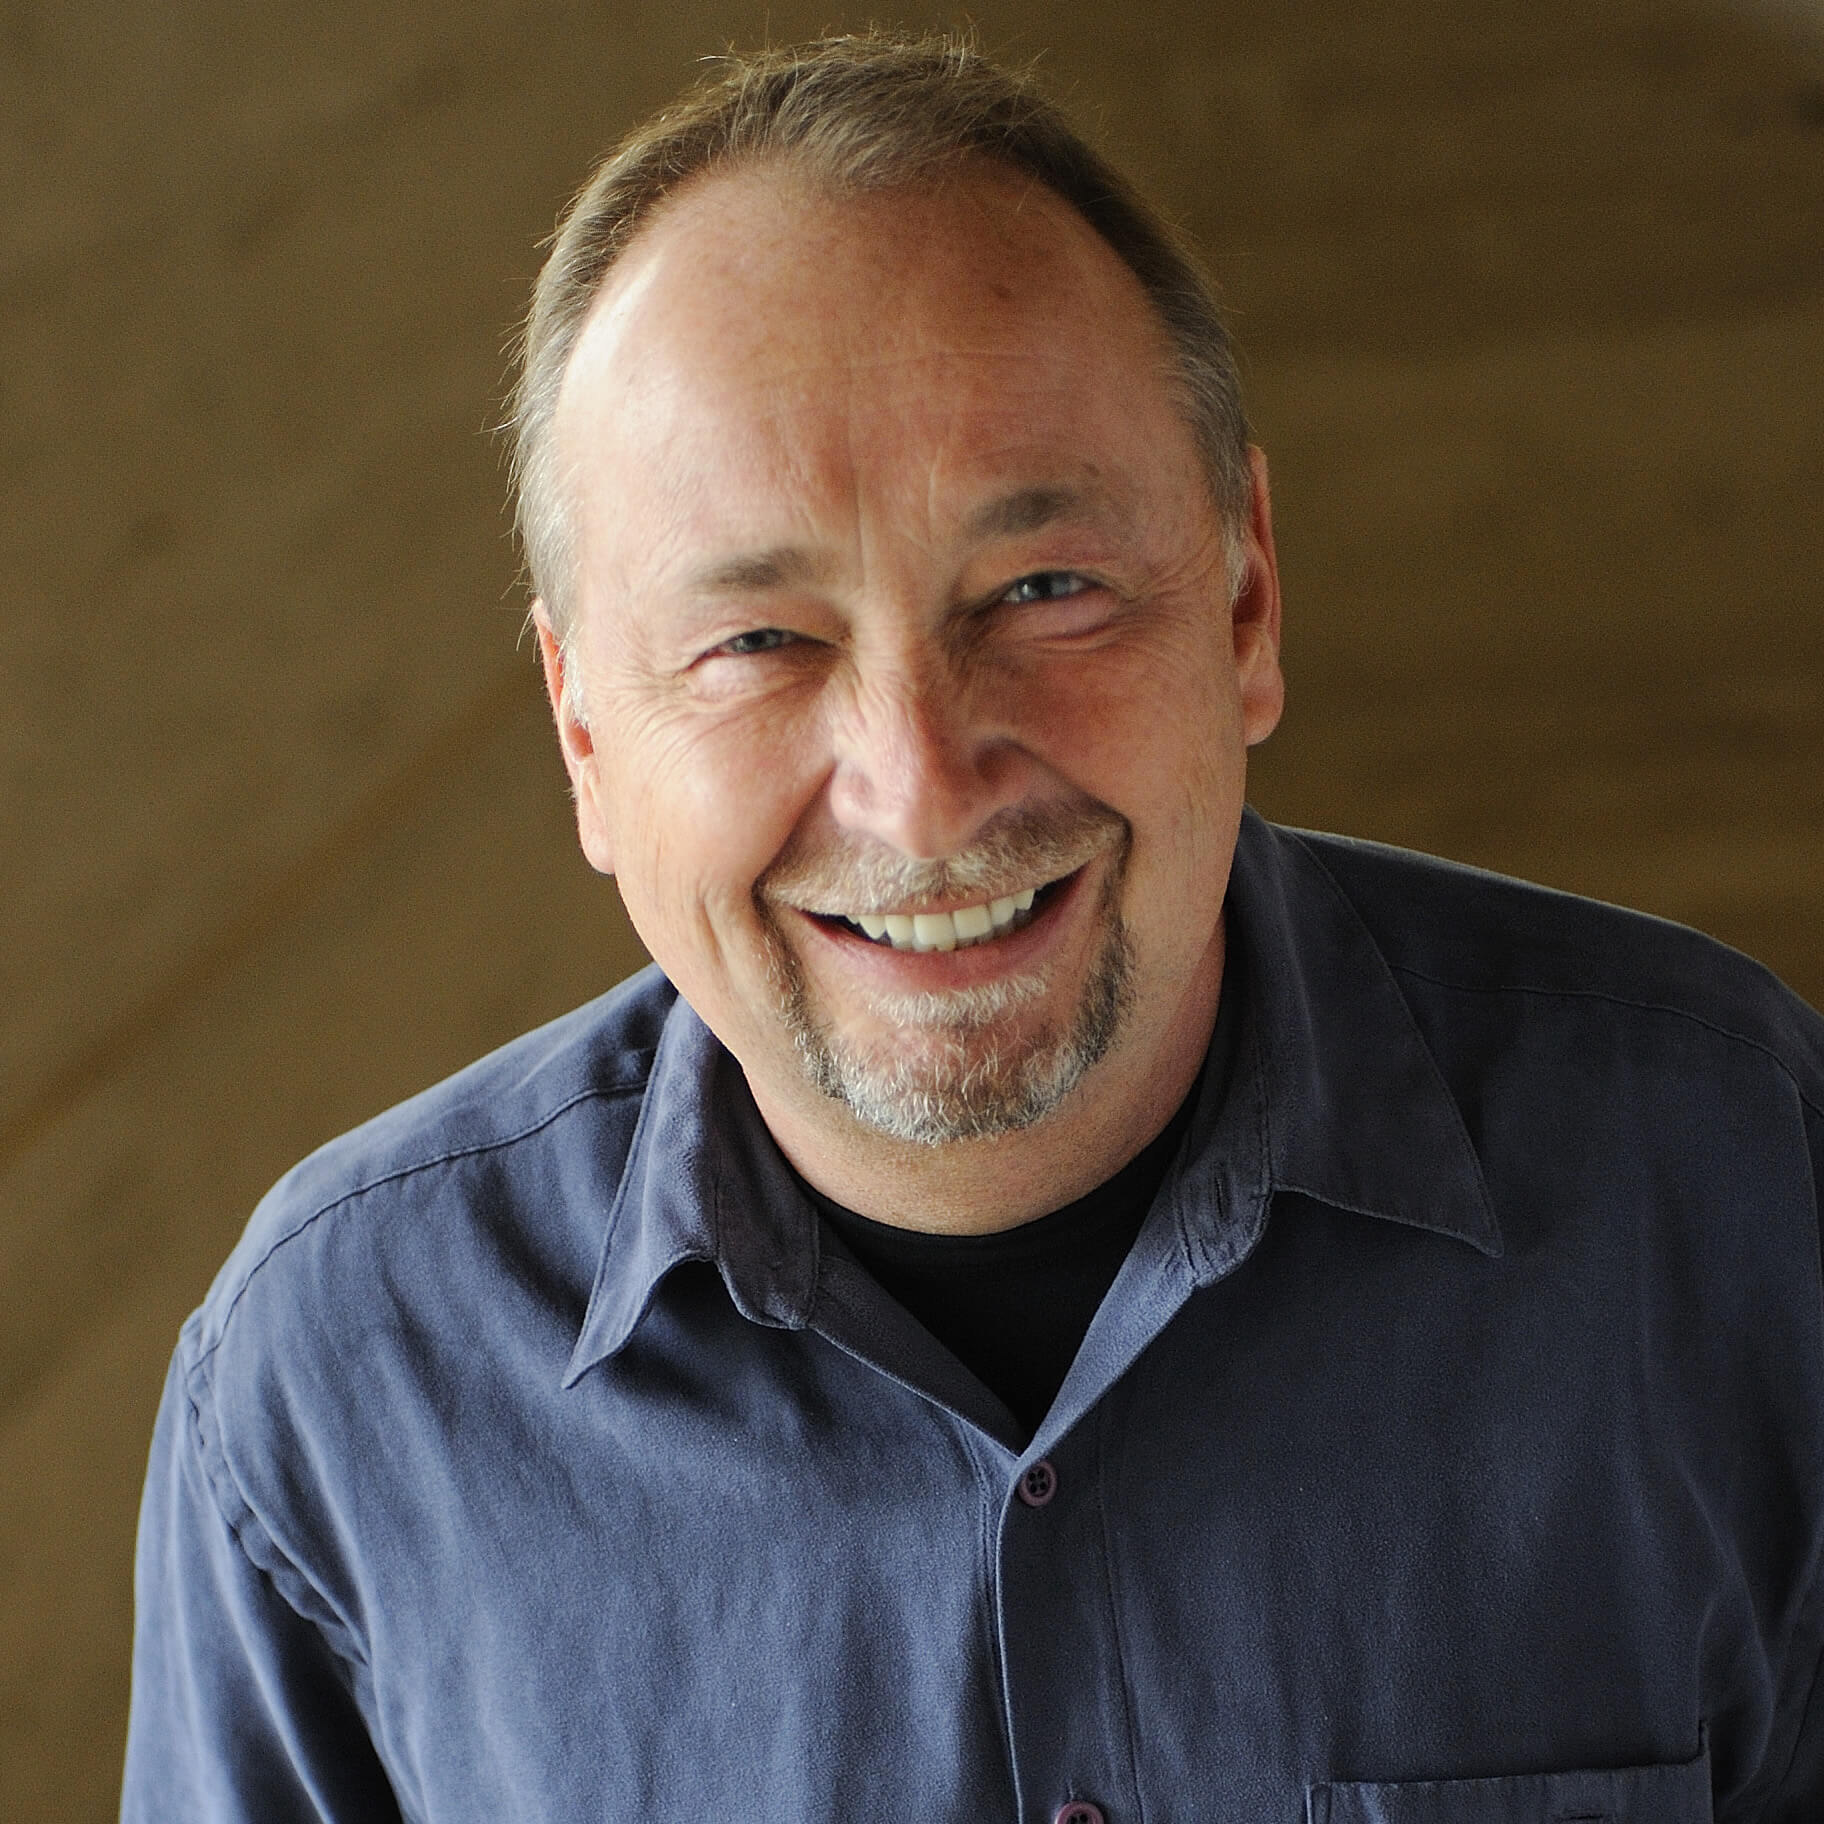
[[1799, 1796], [241, 1709]]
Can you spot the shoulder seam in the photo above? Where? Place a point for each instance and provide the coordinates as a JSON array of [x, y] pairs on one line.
[[596, 1092], [1620, 1000]]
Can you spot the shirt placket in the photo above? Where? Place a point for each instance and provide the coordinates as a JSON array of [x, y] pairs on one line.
[[1067, 1716]]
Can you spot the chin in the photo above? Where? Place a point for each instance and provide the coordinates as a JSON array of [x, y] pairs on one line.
[[963, 1066]]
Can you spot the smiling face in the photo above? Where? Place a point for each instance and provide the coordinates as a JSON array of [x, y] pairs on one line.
[[903, 695]]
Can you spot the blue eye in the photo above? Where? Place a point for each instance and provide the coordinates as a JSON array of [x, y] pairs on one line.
[[761, 639], [1046, 586]]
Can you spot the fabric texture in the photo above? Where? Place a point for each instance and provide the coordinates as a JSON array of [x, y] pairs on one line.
[[1447, 1447]]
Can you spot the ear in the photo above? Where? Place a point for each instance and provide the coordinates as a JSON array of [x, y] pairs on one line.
[[576, 743], [1255, 621]]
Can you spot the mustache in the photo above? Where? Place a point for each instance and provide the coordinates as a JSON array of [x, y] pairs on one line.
[[1019, 847]]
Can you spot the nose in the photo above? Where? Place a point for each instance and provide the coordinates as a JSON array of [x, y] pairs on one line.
[[918, 767]]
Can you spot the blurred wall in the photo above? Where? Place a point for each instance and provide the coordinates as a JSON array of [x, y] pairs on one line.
[[1533, 308]]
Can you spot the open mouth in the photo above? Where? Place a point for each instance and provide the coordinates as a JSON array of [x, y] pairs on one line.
[[957, 930]]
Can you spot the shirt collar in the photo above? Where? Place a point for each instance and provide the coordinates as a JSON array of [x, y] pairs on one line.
[[704, 1180], [1333, 1094], [1335, 1082]]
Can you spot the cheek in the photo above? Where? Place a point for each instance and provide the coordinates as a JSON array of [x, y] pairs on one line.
[[703, 807], [1166, 750], [1156, 734]]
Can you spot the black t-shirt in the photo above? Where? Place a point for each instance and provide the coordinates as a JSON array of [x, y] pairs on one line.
[[1013, 1307]]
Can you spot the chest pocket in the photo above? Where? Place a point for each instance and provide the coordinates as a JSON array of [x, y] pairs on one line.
[[1671, 1793]]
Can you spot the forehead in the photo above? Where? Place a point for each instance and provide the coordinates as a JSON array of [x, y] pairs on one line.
[[760, 324], [768, 251]]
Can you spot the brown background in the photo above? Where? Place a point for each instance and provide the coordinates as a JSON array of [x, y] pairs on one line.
[[1533, 304]]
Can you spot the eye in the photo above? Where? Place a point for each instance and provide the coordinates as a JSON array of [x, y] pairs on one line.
[[759, 639], [1046, 586]]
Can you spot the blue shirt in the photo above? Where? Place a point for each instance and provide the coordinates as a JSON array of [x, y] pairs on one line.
[[1448, 1447]]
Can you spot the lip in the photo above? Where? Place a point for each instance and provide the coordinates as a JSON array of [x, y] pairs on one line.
[[913, 971]]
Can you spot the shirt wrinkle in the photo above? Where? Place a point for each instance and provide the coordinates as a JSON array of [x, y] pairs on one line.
[[268, 1561]]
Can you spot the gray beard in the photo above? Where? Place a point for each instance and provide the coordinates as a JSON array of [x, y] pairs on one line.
[[957, 1077]]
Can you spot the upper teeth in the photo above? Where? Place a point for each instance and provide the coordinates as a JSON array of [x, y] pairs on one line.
[[945, 930]]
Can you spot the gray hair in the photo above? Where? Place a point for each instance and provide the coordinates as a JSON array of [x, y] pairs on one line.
[[870, 112]]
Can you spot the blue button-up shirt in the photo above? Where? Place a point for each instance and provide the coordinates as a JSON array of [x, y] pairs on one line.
[[1448, 1448]]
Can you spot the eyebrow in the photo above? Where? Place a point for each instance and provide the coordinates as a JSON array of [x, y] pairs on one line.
[[779, 567], [1026, 510], [788, 566]]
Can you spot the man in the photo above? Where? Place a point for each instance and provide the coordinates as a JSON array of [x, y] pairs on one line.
[[1062, 1302]]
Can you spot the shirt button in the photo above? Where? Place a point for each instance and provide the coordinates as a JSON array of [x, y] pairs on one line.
[[1037, 1486], [1078, 1811]]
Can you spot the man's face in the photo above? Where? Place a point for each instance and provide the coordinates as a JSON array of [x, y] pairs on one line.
[[915, 709]]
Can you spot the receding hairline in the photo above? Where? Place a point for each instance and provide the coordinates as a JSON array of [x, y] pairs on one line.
[[803, 186]]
